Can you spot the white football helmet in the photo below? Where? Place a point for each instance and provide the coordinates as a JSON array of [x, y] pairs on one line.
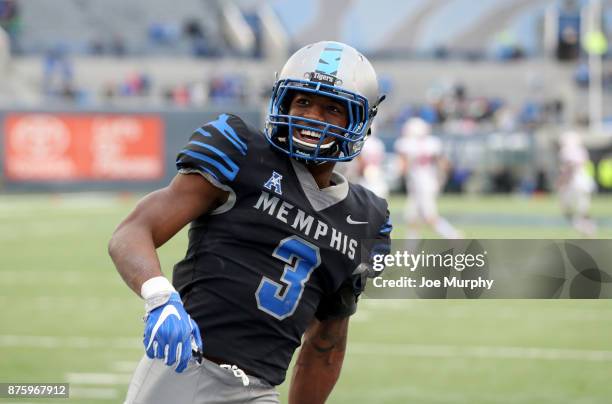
[[334, 70], [416, 128]]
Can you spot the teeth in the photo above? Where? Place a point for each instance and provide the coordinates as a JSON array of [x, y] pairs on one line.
[[308, 139], [312, 145], [310, 133]]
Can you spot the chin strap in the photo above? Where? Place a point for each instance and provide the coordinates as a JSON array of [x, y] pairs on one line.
[[375, 107]]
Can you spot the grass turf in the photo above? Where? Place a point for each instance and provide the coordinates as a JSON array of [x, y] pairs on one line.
[[67, 317]]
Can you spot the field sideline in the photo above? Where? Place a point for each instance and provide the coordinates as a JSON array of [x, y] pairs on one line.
[[67, 317]]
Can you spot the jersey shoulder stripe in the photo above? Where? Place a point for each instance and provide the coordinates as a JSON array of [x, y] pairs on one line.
[[222, 126], [218, 148]]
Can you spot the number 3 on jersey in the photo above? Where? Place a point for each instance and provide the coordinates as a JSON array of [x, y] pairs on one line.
[[301, 258]]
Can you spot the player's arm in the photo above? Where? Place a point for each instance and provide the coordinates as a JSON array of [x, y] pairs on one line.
[[208, 165], [215, 152], [156, 218], [170, 333], [319, 362]]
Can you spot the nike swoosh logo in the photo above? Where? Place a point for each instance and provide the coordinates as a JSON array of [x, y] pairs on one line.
[[351, 221], [167, 311]]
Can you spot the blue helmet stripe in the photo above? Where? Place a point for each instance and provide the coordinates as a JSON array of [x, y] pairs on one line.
[[329, 60]]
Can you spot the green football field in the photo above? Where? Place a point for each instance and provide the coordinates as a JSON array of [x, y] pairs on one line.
[[66, 316]]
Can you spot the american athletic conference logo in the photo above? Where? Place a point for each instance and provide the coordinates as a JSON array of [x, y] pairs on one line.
[[274, 183]]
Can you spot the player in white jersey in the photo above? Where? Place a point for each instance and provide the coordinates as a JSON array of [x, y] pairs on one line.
[[423, 164], [575, 185], [367, 169]]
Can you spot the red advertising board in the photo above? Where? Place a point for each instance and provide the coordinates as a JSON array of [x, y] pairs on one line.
[[61, 147]]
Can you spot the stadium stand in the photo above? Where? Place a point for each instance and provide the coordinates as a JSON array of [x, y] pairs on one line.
[[152, 54], [81, 24], [415, 28], [488, 25], [406, 33]]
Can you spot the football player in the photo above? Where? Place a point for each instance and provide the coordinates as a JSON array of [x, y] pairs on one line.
[[275, 243], [367, 169], [423, 165], [574, 184]]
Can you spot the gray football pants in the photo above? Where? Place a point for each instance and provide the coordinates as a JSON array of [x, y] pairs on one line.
[[155, 383]]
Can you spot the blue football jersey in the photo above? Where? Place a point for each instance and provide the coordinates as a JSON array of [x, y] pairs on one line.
[[277, 254]]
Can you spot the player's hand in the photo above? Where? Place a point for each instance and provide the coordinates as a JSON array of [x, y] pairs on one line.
[[170, 332]]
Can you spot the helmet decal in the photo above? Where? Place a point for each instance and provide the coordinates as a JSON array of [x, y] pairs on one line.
[[330, 59]]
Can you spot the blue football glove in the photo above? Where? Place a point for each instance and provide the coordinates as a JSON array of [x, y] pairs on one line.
[[170, 334]]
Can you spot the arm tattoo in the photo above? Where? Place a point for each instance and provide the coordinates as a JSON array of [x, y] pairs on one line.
[[329, 338]]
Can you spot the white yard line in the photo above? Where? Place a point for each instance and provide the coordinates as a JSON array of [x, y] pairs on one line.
[[416, 308], [93, 393], [483, 352], [49, 276], [13, 402], [124, 366], [55, 303], [98, 378], [52, 342], [43, 229]]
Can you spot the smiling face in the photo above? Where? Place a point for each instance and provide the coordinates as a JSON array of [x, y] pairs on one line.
[[320, 108]]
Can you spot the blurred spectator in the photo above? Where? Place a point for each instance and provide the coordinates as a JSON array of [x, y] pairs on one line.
[[180, 95], [568, 40], [109, 91], [457, 179], [163, 33], [554, 111], [531, 113], [581, 75], [195, 33], [137, 84], [429, 114], [506, 47], [453, 110], [118, 47], [193, 29], [542, 181], [198, 94], [506, 119], [441, 52], [96, 47], [58, 71], [10, 21], [502, 180], [228, 88]]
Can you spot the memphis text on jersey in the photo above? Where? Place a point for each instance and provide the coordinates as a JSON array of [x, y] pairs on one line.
[[306, 224]]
